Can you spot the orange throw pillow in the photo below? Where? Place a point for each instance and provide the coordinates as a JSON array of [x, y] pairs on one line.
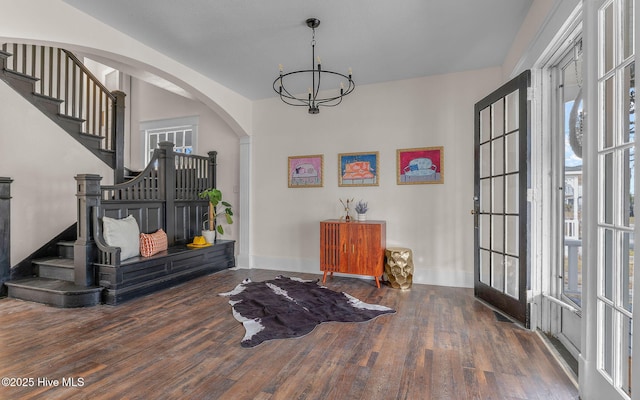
[[153, 243]]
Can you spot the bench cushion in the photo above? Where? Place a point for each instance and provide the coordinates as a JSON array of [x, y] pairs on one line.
[[123, 233]]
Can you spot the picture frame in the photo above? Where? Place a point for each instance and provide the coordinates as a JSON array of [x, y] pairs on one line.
[[420, 165], [359, 169], [306, 171]]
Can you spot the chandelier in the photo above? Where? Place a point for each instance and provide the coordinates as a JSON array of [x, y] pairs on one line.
[[317, 73]]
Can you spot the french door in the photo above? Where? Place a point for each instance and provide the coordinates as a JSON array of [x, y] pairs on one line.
[[611, 324], [502, 149]]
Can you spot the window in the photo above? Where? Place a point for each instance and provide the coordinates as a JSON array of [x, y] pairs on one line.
[[180, 131]]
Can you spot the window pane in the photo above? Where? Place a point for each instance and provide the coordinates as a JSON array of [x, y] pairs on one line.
[[605, 274], [609, 115], [485, 195], [485, 233], [512, 152], [188, 137], [627, 270], [511, 191], [606, 316], [625, 351], [512, 111], [498, 195], [627, 27], [498, 156], [497, 266], [170, 137], [485, 160], [512, 267], [606, 188], [629, 92], [497, 110], [485, 124], [628, 190], [608, 36], [153, 142], [485, 267], [512, 235], [497, 233]]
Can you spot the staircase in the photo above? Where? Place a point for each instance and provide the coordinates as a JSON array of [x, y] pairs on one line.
[[62, 88], [53, 283]]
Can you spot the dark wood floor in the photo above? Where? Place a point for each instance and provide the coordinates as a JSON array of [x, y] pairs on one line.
[[183, 343]]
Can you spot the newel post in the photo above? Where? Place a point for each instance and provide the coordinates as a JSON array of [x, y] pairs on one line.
[[167, 161], [88, 194], [213, 166], [118, 136], [5, 233]]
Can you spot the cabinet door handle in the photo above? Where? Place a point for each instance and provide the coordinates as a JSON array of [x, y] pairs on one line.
[[353, 248], [344, 248]]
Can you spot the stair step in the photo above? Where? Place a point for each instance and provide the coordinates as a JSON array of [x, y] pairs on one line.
[[47, 104], [56, 268], [22, 83], [54, 292], [65, 249]]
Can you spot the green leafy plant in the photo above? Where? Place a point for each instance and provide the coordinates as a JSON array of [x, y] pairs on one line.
[[215, 198]]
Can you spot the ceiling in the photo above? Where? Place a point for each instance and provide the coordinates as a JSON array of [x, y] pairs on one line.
[[240, 43]]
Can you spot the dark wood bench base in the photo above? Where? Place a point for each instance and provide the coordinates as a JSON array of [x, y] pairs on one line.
[[139, 276]]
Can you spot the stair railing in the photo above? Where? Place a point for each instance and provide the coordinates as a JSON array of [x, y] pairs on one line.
[[84, 98]]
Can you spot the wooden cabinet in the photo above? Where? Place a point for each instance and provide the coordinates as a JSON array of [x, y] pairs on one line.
[[352, 248]]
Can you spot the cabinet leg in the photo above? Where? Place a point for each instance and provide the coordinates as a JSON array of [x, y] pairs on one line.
[[378, 282], [324, 277]]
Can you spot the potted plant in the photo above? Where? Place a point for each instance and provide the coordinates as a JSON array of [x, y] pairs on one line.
[[361, 209], [215, 198]]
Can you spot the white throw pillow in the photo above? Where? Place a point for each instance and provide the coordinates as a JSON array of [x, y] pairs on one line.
[[123, 233]]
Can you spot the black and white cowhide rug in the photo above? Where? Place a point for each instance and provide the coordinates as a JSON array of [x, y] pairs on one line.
[[291, 307]]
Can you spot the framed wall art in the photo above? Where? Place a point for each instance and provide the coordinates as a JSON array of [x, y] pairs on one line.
[[306, 171], [420, 165], [358, 169]]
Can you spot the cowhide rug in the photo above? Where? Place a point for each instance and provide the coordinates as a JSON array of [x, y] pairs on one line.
[[291, 307]]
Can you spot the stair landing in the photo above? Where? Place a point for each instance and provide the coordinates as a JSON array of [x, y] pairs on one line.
[[54, 292]]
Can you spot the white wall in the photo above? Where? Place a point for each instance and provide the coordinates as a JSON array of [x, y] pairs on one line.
[[433, 220], [42, 160], [150, 103]]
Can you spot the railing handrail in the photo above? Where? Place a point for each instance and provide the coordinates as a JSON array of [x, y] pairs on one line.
[[93, 78], [146, 173]]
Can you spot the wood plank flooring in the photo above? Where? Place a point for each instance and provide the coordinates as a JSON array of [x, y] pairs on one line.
[[183, 343]]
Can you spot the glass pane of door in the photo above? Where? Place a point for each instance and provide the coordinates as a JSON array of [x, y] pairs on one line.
[[572, 118]]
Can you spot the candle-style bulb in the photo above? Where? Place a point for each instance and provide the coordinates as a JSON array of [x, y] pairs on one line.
[[350, 71], [280, 67], [318, 58]]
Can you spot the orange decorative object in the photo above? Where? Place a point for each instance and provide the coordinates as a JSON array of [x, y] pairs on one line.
[[358, 170]]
